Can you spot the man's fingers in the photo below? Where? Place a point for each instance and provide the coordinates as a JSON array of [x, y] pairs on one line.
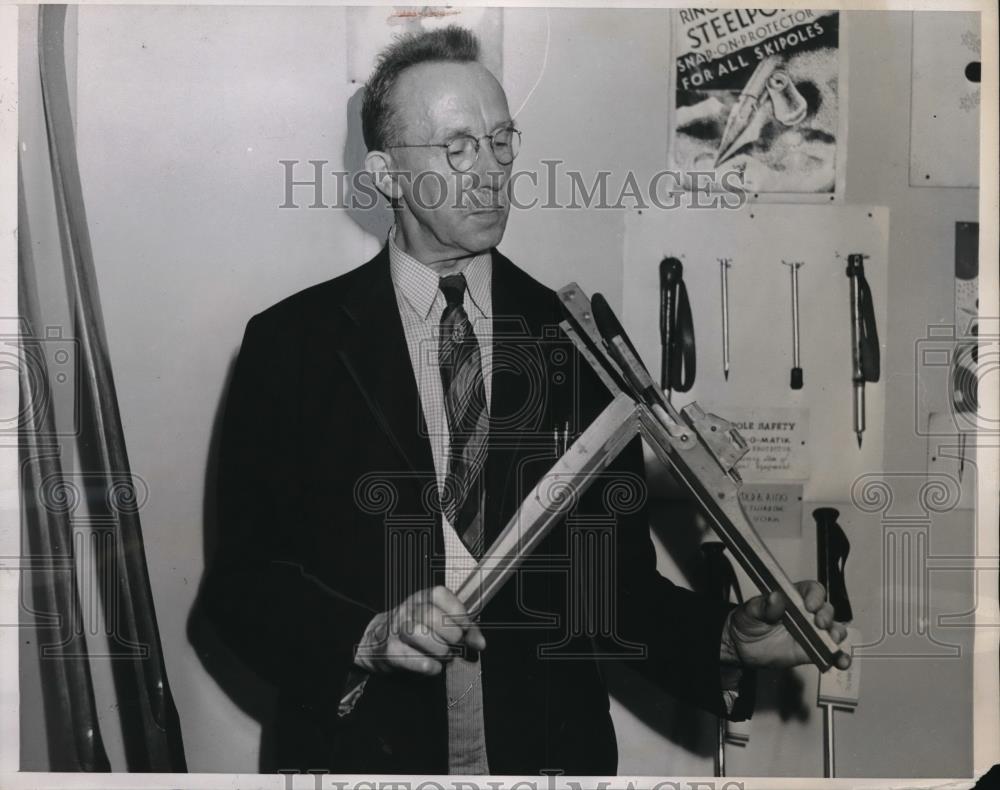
[[766, 608], [772, 607], [455, 614], [474, 638], [458, 630], [435, 629], [775, 607], [813, 595], [421, 636], [756, 606], [445, 625], [445, 600], [824, 616], [400, 655]]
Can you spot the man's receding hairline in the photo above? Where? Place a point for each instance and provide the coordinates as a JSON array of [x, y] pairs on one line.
[[443, 62], [451, 44], [393, 109]]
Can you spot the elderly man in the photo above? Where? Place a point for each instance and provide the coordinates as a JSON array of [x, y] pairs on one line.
[[380, 431]]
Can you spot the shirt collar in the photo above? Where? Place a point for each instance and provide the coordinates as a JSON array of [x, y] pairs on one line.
[[419, 283]]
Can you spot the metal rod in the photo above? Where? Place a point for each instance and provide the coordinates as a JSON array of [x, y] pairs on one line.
[[72, 729], [793, 268], [859, 410], [828, 753], [857, 369], [795, 315], [547, 503], [724, 264], [715, 489], [150, 724], [667, 296]]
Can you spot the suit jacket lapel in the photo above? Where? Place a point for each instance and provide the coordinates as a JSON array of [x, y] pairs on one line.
[[375, 354], [370, 342], [517, 414]]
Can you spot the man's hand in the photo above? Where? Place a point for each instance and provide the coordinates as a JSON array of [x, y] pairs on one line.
[[420, 635], [755, 637]]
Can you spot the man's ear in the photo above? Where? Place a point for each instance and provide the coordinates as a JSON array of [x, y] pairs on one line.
[[380, 166]]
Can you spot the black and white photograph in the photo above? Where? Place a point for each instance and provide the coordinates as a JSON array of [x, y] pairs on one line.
[[515, 396]]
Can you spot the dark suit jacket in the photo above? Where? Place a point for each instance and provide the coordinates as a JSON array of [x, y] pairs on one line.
[[325, 476]]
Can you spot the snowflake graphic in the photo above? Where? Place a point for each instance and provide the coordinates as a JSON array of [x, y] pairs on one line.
[[972, 41], [969, 102]]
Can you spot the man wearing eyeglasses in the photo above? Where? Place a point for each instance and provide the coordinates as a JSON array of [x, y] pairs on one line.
[[381, 430]]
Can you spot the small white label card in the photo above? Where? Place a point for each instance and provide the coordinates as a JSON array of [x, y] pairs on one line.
[[778, 441], [774, 508]]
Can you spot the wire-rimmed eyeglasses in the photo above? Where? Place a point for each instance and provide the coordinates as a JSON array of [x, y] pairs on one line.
[[462, 150]]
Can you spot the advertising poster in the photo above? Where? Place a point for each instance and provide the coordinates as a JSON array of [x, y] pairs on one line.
[[758, 94]]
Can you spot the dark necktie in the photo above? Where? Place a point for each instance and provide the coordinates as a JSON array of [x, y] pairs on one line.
[[468, 420]]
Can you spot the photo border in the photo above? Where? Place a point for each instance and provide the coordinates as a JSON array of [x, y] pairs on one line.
[[986, 699]]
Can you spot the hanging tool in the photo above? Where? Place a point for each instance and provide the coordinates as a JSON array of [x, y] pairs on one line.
[[677, 360], [832, 548], [724, 265], [701, 450], [864, 338], [794, 267]]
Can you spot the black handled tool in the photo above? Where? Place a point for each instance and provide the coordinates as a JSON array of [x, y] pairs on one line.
[[677, 362], [832, 548], [865, 354]]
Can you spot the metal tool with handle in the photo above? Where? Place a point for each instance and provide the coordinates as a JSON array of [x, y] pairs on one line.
[[547, 503], [701, 450], [865, 355]]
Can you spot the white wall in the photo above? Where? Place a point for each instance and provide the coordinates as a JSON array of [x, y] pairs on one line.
[[183, 115]]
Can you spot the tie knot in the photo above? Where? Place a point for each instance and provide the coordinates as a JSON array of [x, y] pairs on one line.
[[453, 288]]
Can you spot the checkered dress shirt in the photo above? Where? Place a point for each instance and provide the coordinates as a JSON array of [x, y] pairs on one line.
[[421, 305]]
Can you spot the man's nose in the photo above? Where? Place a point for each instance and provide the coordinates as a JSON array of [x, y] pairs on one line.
[[487, 170]]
